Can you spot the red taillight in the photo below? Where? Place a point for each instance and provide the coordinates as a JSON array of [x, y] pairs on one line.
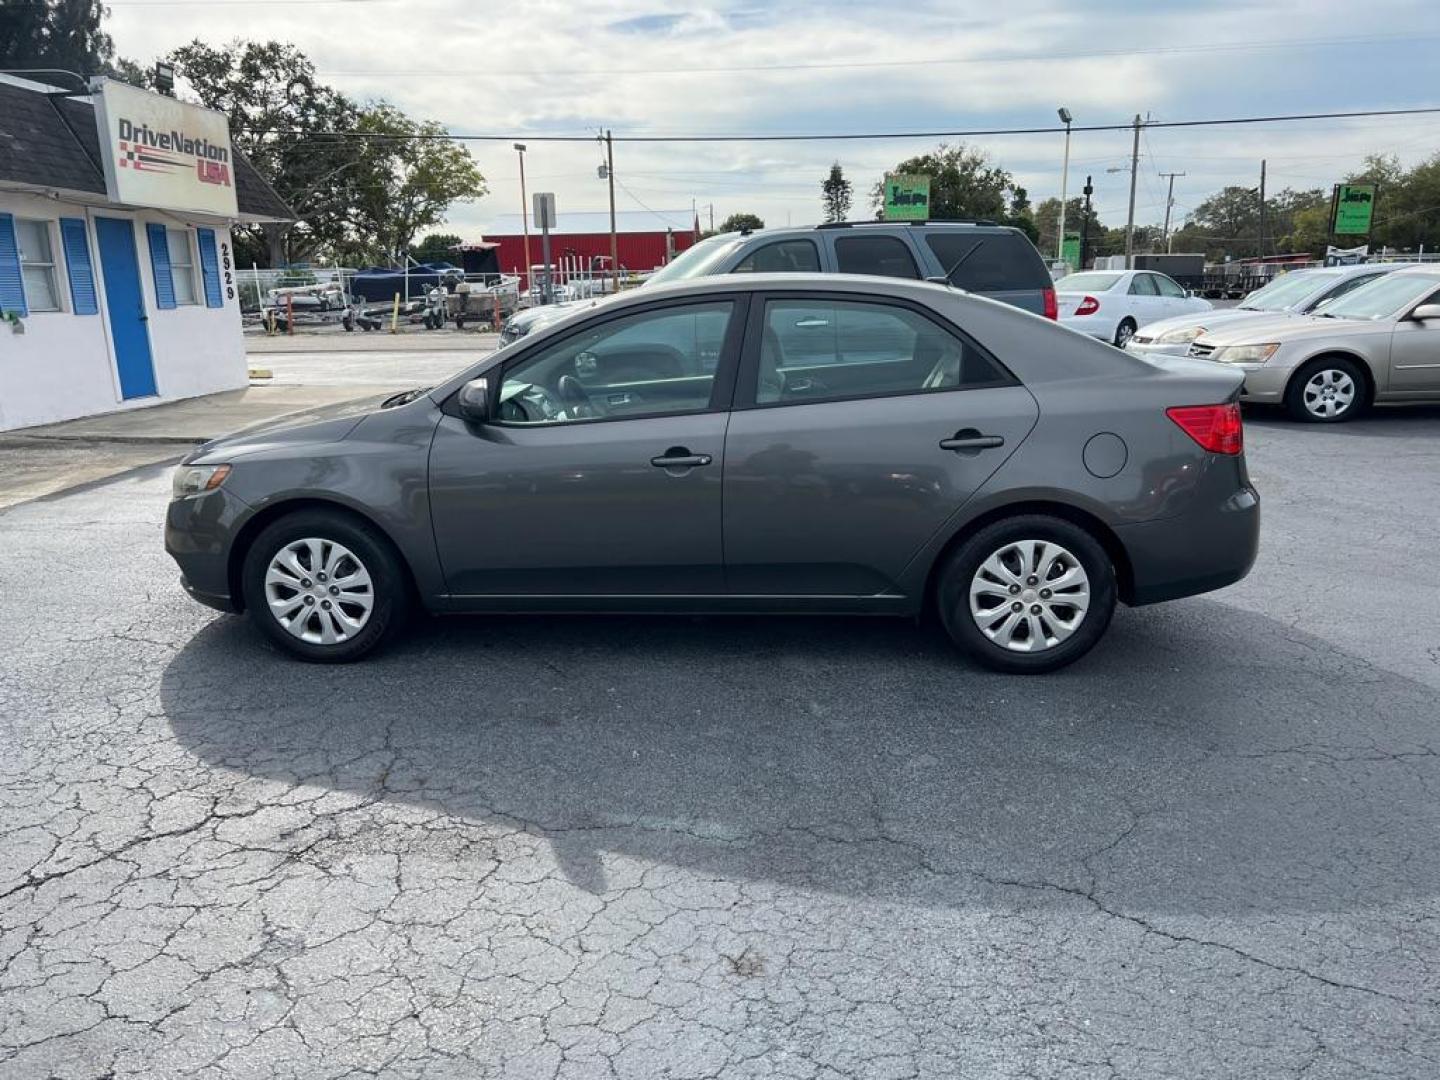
[[1052, 305], [1088, 306], [1216, 428]]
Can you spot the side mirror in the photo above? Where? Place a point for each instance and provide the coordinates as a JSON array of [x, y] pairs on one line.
[[474, 400], [1426, 312]]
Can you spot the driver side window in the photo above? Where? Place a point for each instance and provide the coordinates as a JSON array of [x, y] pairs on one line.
[[647, 364]]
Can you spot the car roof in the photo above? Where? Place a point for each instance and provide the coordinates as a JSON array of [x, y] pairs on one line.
[[772, 232]]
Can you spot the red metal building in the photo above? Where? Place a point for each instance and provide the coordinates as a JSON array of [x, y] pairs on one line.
[[645, 239]]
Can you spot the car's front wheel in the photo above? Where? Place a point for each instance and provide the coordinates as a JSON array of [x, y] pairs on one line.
[[324, 585], [1326, 391], [1027, 594]]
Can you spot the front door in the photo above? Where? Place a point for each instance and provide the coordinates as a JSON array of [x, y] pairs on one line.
[[125, 304], [600, 474], [1415, 354], [860, 428]]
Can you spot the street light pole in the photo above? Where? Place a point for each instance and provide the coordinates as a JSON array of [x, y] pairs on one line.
[[614, 243], [1089, 190], [1065, 119], [524, 213]]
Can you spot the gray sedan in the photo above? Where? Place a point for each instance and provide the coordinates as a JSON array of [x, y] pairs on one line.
[[1380, 343], [775, 443]]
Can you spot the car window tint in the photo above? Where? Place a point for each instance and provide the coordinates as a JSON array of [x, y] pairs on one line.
[[781, 257], [1345, 286], [817, 350], [1142, 285], [886, 256], [1166, 286], [650, 363], [988, 261]]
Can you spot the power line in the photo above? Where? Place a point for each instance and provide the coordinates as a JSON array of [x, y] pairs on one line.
[[973, 133]]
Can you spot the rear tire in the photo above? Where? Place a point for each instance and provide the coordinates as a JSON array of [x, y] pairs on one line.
[[1124, 332], [1329, 390], [1066, 595], [325, 586]]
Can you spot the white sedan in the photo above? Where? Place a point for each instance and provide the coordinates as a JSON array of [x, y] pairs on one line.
[[1111, 304]]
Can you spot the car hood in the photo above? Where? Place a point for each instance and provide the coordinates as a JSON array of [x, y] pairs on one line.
[[326, 423], [1292, 328], [1207, 319]]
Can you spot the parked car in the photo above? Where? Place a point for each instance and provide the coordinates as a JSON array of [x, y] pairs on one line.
[[1378, 343], [859, 444], [1299, 292], [1112, 304], [980, 257]]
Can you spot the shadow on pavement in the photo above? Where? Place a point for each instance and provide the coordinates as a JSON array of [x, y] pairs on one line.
[[1202, 760]]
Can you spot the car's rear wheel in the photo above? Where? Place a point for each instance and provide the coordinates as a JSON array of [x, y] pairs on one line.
[[1027, 594], [1329, 390], [324, 586], [1124, 332]]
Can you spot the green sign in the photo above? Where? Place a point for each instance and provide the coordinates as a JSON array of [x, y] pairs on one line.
[[1354, 207], [1070, 250], [907, 197]]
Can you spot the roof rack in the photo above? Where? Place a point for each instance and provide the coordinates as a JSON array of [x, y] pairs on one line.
[[947, 221]]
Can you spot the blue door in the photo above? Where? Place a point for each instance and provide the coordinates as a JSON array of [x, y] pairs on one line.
[[125, 302]]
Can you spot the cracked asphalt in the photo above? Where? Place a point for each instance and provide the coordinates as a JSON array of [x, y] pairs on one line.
[[734, 848]]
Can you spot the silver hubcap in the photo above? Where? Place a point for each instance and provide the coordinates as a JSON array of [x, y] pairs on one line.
[[1329, 393], [319, 591], [1029, 596], [1124, 334]]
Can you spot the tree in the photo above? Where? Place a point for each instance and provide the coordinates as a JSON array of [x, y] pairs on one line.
[[836, 194], [1047, 223], [437, 247], [741, 223], [63, 34], [408, 176], [963, 184]]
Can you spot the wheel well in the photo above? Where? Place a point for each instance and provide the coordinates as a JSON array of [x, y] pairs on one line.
[[1365, 373], [252, 528], [1124, 574]]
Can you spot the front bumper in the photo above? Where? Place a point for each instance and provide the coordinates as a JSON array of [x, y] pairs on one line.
[[199, 535], [1196, 552]]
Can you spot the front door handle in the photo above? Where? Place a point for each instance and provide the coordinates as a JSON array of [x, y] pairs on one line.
[[679, 457], [970, 439]]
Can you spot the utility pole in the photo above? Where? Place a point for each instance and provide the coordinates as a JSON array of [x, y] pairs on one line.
[[614, 243], [1130, 217], [524, 215], [1169, 205], [1262, 208]]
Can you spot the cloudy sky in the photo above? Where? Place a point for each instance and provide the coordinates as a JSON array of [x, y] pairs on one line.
[[651, 67]]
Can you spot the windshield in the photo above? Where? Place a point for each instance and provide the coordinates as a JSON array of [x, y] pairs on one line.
[[697, 261], [1382, 297], [1090, 282], [1285, 292]]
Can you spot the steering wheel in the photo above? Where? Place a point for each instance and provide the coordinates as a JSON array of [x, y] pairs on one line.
[[572, 393]]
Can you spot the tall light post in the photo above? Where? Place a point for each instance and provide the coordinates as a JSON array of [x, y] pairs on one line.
[[524, 211], [1064, 186]]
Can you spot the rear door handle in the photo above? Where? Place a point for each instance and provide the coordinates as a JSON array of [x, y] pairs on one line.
[[678, 457], [972, 440]]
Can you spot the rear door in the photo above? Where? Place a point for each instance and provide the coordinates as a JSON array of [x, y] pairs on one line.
[[860, 426], [998, 263], [865, 251]]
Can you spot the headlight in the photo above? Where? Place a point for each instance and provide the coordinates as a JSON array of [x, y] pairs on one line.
[[196, 479], [1244, 354], [1180, 337]]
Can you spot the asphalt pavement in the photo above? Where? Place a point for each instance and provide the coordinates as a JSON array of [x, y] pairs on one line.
[[674, 847]]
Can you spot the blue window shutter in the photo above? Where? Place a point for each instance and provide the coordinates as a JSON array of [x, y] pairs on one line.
[[83, 298], [160, 264], [210, 268], [12, 289]]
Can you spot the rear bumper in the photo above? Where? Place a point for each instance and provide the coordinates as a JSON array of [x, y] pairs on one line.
[[1096, 326], [1195, 552]]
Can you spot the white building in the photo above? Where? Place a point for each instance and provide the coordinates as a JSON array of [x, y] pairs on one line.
[[116, 287]]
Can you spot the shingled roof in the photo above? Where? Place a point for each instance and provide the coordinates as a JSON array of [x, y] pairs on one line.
[[52, 142]]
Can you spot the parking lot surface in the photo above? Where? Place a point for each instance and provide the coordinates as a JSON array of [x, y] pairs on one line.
[[671, 847]]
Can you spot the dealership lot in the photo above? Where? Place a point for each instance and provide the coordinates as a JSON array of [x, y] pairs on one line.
[[734, 847]]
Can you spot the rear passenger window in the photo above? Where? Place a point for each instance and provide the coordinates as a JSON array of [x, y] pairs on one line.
[[886, 256], [829, 350], [781, 257], [988, 262]]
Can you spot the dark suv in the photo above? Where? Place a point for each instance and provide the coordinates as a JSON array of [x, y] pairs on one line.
[[978, 256]]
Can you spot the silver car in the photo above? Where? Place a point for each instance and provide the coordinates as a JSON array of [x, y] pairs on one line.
[[754, 442], [1299, 292], [1380, 343]]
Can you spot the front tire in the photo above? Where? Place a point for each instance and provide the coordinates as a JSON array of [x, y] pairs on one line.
[[324, 585], [1329, 390], [1027, 594]]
